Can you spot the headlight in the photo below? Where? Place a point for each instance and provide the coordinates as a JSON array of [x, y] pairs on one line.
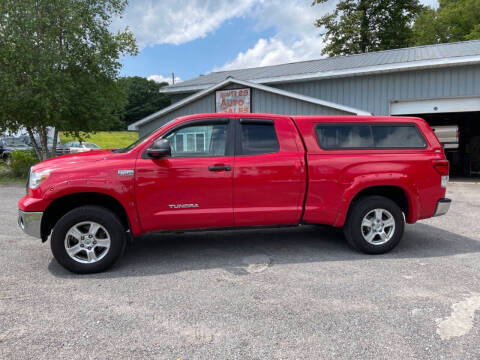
[[36, 178]]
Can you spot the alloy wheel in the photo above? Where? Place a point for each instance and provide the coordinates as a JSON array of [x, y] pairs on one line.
[[87, 242], [378, 226]]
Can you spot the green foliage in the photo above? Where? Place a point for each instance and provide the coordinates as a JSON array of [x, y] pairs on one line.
[[59, 65], [453, 20], [106, 139], [21, 161], [359, 26], [143, 98]]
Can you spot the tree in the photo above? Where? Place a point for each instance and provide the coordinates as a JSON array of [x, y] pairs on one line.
[[453, 20], [143, 98], [59, 66], [359, 26]]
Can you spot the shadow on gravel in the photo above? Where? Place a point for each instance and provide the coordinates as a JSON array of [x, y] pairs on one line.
[[172, 253]]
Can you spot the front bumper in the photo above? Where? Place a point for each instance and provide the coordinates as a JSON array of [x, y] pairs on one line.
[[30, 222], [442, 207]]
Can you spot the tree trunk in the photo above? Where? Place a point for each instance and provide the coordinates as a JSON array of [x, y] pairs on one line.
[[364, 24], [54, 143], [42, 133], [34, 142]]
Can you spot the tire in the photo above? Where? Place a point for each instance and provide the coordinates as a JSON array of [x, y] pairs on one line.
[[88, 254], [375, 225]]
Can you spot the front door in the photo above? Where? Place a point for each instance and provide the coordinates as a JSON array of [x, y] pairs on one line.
[[192, 188]]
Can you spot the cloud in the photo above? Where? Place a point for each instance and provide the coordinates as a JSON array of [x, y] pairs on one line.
[[177, 21], [295, 37], [180, 21], [161, 78], [432, 3], [275, 51]]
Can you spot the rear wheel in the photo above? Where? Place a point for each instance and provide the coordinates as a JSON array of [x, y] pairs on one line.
[[375, 225], [88, 239]]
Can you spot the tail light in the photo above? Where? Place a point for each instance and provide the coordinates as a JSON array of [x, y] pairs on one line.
[[442, 167]]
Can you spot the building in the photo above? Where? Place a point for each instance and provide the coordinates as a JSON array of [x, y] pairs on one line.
[[440, 83]]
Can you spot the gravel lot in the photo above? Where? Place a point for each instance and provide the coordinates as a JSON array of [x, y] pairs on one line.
[[296, 293]]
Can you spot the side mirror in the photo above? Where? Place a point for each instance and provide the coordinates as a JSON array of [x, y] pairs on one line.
[[160, 148]]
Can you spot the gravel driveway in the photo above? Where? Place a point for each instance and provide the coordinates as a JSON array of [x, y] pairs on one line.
[[295, 293]]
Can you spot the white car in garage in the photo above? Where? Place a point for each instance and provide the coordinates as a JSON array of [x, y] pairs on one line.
[[448, 135], [77, 146]]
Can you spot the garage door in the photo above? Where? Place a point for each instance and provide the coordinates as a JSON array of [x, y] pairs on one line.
[[432, 106]]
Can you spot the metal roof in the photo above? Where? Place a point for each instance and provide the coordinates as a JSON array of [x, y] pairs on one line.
[[390, 60]]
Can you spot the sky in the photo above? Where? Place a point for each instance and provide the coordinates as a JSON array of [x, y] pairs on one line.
[[194, 37]]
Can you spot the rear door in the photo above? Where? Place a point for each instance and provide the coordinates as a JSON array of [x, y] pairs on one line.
[[269, 172]]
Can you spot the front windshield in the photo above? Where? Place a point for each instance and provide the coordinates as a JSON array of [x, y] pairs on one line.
[[131, 146], [91, 145]]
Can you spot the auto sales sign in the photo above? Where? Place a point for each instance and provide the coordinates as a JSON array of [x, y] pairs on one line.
[[233, 101]]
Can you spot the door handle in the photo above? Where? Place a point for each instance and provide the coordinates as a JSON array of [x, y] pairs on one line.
[[220, 168]]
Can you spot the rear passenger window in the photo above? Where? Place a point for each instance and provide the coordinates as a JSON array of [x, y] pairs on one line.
[[369, 136], [340, 136], [397, 137], [258, 138]]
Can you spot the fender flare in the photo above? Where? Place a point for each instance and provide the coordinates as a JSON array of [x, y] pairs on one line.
[[77, 187], [363, 182]]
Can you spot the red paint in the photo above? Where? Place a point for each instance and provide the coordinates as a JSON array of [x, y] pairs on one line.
[[267, 189], [174, 181]]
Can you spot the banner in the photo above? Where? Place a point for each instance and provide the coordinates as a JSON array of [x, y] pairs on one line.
[[233, 101]]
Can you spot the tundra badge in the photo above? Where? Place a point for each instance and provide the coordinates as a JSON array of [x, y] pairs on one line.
[[182, 206], [126, 172]]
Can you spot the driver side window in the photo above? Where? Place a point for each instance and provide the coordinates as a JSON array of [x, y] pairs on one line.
[[199, 140]]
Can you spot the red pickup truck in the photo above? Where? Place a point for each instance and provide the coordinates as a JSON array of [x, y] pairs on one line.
[[368, 175]]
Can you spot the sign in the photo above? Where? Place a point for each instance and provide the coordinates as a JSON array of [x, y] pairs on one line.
[[233, 101]]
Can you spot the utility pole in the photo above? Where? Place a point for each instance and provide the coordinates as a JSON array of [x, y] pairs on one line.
[[173, 78]]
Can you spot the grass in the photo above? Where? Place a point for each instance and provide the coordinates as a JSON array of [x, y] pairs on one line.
[[6, 180], [106, 139], [6, 176]]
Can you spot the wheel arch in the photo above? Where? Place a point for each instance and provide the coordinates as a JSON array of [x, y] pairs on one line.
[[60, 206], [402, 196]]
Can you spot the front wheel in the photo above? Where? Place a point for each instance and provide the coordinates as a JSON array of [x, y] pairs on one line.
[[374, 225], [88, 239]]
